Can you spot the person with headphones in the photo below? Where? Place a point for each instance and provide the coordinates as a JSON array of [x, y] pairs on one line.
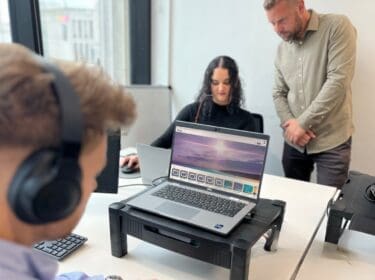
[[54, 120], [218, 103]]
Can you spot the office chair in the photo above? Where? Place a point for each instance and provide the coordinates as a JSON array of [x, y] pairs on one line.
[[258, 122]]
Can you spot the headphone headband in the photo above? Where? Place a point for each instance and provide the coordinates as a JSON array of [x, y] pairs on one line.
[[70, 112]]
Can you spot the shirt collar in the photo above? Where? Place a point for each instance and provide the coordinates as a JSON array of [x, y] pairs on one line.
[[22, 260], [313, 23]]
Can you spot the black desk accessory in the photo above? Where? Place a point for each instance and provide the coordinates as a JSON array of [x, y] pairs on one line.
[[60, 248], [231, 251], [108, 178], [354, 206]]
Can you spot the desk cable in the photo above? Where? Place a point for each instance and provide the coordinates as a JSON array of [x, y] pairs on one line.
[[153, 183], [312, 238], [158, 180], [135, 185]]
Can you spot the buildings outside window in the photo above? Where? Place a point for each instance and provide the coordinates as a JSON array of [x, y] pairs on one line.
[[5, 35], [92, 31]]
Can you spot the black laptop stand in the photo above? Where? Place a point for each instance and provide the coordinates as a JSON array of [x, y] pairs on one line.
[[231, 251], [352, 208]]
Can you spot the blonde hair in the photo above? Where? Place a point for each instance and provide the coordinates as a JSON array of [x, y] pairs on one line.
[[29, 113]]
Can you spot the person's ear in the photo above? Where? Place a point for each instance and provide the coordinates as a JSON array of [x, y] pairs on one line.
[[300, 6]]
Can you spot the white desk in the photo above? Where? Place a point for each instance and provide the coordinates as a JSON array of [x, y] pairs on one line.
[[305, 206], [353, 257]]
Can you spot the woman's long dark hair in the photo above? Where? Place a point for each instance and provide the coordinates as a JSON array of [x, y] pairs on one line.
[[205, 95]]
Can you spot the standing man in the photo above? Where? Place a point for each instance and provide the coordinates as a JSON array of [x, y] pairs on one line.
[[312, 91]]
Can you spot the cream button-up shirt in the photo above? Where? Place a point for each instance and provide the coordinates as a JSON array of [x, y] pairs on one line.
[[313, 80]]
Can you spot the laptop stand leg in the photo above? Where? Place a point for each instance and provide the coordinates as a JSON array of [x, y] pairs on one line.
[[119, 245], [272, 239], [272, 235], [240, 261], [334, 227]]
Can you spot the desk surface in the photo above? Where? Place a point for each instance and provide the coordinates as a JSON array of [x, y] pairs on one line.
[[306, 203], [354, 256]]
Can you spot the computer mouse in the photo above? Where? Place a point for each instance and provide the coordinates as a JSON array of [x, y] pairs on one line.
[[128, 169]]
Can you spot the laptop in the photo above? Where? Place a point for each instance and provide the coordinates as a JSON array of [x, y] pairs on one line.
[[153, 162], [210, 168]]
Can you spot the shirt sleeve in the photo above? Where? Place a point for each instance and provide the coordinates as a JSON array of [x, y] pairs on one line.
[[165, 140], [340, 71], [280, 96], [78, 276]]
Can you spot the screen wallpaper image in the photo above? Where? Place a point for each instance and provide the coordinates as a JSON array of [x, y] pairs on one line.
[[219, 156]]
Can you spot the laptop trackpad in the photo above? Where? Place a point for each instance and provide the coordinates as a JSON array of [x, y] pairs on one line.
[[177, 210]]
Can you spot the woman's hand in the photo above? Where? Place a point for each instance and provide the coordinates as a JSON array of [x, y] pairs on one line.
[[132, 161]]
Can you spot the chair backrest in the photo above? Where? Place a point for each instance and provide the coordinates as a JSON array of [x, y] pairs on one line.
[[258, 118]]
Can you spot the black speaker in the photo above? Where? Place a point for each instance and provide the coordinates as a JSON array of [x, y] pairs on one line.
[[47, 185]]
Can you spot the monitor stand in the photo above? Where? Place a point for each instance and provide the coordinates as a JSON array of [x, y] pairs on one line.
[[231, 251]]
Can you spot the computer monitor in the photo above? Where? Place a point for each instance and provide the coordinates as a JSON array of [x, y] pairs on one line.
[[108, 179]]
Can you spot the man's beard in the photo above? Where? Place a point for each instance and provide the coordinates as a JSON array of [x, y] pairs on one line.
[[296, 33]]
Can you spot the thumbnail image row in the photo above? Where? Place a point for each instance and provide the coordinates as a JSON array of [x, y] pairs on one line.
[[210, 180]]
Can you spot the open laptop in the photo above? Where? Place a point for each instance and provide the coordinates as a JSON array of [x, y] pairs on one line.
[[153, 162], [209, 165]]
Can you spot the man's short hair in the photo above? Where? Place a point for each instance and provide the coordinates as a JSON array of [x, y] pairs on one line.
[[29, 113], [269, 4]]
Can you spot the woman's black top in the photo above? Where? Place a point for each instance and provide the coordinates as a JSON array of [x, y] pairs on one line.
[[220, 116]]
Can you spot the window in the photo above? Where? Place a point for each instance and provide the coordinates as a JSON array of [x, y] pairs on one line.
[[73, 28], [4, 22], [117, 31], [93, 31], [64, 32]]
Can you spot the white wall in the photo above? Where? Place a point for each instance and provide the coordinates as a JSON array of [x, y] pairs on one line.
[[160, 35], [200, 30]]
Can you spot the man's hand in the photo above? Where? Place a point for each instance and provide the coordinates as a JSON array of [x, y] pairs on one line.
[[296, 134]]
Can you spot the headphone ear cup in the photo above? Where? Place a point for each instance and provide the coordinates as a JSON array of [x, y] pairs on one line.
[[45, 187], [61, 196]]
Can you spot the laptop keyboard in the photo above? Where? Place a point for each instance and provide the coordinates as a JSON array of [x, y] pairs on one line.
[[200, 200]]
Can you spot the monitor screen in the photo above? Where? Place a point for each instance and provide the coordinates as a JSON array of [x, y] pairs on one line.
[[108, 179]]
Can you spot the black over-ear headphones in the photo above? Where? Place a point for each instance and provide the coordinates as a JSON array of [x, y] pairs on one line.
[[47, 185]]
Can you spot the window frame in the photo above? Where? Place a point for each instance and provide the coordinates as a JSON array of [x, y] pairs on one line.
[[25, 25], [140, 41]]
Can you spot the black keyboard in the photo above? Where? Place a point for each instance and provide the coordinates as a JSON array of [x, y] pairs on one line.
[[60, 248], [200, 200]]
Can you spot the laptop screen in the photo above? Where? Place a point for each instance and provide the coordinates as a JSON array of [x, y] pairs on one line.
[[218, 158]]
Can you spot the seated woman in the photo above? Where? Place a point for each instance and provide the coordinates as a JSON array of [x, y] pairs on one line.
[[218, 103]]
